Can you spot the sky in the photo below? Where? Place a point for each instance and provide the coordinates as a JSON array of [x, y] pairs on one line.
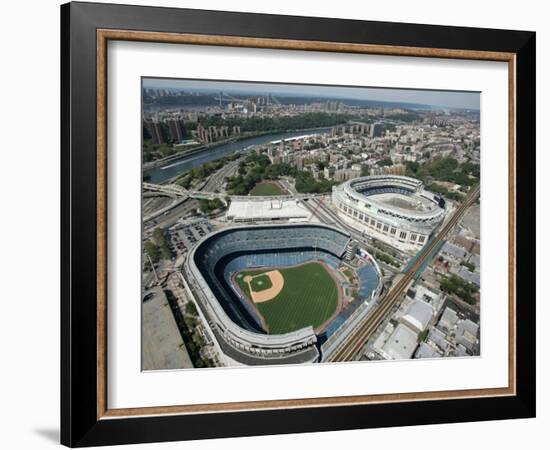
[[445, 99]]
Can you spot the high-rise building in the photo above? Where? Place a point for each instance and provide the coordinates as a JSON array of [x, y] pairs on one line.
[[376, 130], [213, 131], [328, 172], [204, 135], [176, 129], [155, 130], [299, 162]]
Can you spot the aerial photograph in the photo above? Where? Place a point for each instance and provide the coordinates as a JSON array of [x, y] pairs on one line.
[[305, 224]]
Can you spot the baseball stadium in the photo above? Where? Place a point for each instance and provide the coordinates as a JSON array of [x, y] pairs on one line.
[[278, 294], [393, 208]]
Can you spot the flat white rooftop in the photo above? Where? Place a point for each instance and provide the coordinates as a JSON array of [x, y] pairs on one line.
[[401, 344], [267, 210]]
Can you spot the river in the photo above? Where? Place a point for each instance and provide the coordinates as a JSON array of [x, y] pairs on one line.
[[178, 166]]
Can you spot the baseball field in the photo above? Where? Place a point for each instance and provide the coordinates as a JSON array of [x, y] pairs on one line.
[[267, 188], [291, 298]]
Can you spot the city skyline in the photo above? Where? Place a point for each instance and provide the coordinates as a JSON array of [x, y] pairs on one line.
[[433, 98]]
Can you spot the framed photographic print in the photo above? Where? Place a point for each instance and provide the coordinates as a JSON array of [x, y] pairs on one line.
[[277, 224]]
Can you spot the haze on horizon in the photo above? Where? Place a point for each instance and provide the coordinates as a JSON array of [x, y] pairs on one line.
[[434, 98]]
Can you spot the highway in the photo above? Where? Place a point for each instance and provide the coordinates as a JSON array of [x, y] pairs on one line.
[[215, 182], [170, 217], [355, 341], [186, 205]]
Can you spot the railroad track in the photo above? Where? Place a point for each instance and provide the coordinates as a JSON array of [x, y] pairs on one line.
[[326, 215], [349, 348], [329, 217]]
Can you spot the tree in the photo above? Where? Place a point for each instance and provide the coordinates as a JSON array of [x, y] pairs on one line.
[[257, 124], [152, 250], [412, 167], [422, 335], [185, 181], [189, 323], [471, 267], [207, 206], [160, 239], [306, 183], [385, 162], [199, 363], [191, 309], [459, 287]]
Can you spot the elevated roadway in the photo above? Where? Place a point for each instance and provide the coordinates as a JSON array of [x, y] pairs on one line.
[[174, 189]]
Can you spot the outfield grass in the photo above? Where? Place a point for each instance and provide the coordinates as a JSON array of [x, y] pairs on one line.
[[265, 188], [309, 297]]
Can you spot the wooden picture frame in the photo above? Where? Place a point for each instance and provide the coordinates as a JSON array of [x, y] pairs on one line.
[[86, 418]]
